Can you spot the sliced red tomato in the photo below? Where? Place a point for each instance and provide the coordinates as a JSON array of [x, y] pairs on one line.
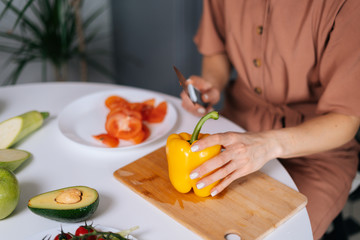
[[116, 102], [148, 106], [125, 120], [149, 102], [158, 113], [125, 111], [123, 124], [142, 135], [136, 106], [107, 139]]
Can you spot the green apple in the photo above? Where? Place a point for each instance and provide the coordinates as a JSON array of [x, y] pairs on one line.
[[9, 192]]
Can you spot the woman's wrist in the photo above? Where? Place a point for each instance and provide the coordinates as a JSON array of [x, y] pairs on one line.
[[277, 143]]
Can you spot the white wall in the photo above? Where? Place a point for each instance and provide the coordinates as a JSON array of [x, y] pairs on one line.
[[33, 71]]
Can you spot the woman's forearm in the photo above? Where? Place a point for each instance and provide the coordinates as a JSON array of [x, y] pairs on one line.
[[316, 135], [216, 69]]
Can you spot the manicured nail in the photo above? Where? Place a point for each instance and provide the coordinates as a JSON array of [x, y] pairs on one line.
[[194, 175], [213, 193], [201, 110], [200, 185], [194, 148]]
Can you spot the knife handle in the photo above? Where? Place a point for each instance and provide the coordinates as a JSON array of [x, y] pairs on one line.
[[195, 96]]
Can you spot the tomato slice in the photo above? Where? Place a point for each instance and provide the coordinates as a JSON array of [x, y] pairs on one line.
[[116, 102], [142, 135], [107, 139], [125, 111], [149, 102], [125, 120], [148, 106], [158, 114], [123, 124]]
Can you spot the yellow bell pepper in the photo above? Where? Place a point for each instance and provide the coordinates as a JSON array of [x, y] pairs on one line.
[[181, 160]]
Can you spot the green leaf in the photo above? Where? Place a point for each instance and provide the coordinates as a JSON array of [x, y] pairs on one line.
[[100, 68], [20, 15], [8, 49], [93, 16], [25, 20], [12, 79], [91, 36], [6, 8], [15, 36], [49, 37]]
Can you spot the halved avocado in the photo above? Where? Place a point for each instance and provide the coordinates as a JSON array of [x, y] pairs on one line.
[[71, 204]]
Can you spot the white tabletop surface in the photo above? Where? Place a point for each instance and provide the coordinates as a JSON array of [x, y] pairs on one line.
[[58, 162]]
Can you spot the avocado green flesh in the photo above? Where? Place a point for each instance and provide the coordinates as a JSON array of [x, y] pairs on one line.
[[46, 206], [11, 159]]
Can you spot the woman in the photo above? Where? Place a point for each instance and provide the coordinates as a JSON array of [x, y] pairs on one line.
[[296, 93]]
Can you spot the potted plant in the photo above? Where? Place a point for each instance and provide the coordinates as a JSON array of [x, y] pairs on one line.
[[49, 31]]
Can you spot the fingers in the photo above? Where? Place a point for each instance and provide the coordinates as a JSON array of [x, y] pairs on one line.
[[224, 163], [189, 106], [227, 173], [223, 139], [224, 183], [231, 164], [209, 95]]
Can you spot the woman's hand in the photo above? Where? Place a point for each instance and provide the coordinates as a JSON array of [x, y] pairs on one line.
[[210, 95], [247, 152], [243, 154]]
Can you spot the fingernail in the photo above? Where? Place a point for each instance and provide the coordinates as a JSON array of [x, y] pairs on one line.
[[194, 148], [213, 193], [200, 185], [206, 97], [194, 175], [201, 110]]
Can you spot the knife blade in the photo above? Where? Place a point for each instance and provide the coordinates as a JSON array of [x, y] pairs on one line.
[[193, 93]]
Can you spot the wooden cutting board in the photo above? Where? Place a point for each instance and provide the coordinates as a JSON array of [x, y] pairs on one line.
[[251, 207]]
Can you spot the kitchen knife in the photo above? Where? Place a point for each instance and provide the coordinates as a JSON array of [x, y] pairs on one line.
[[193, 93]]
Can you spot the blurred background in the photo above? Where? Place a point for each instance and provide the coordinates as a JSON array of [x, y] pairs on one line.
[[136, 43]]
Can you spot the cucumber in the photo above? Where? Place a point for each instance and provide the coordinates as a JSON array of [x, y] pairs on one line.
[[14, 129], [11, 159]]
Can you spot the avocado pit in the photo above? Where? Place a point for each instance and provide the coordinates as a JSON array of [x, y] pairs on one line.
[[69, 196]]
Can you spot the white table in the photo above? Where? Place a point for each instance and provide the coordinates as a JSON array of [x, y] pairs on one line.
[[57, 161]]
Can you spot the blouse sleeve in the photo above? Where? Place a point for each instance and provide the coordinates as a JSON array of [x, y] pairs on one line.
[[340, 64], [209, 38]]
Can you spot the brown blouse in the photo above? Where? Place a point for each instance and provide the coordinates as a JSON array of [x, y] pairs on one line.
[[294, 58]]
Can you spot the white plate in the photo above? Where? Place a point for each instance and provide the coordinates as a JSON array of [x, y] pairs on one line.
[[70, 228], [86, 116]]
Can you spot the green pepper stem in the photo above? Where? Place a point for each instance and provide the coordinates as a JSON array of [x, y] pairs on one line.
[[44, 115], [214, 115]]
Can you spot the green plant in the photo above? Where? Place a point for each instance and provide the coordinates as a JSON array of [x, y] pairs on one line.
[[56, 35]]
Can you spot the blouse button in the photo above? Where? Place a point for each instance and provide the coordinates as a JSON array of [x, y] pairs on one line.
[[258, 90], [257, 62], [259, 30]]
